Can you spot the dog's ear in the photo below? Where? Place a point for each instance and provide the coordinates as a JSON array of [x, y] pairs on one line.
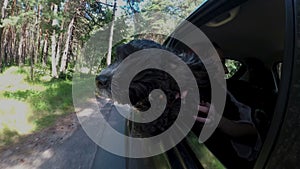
[[123, 51], [135, 45]]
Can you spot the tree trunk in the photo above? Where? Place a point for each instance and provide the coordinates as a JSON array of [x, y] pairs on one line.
[[38, 35], [32, 55], [53, 45], [61, 36], [58, 48], [13, 53], [4, 6], [11, 45], [15, 39], [26, 45], [45, 50], [111, 35], [67, 45], [4, 44], [20, 49]]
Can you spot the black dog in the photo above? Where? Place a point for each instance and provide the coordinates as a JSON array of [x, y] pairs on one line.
[[148, 80]]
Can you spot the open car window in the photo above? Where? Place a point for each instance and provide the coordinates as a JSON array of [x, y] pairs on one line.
[[233, 67]]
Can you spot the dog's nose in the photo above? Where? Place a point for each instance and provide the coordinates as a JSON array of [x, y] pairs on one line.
[[101, 80]]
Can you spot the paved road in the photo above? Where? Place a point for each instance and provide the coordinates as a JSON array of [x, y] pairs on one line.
[[75, 153], [80, 152]]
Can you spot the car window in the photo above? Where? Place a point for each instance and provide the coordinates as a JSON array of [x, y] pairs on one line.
[[232, 66], [203, 154], [278, 69]]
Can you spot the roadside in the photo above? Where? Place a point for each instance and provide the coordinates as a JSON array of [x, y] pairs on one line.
[[27, 107], [64, 145], [36, 122]]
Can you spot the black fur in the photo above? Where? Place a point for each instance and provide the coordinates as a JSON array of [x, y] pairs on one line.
[[151, 79]]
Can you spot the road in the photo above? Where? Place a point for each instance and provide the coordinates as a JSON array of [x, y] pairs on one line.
[[70, 150]]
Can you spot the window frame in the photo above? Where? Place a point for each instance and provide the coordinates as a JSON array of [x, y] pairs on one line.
[[268, 150]]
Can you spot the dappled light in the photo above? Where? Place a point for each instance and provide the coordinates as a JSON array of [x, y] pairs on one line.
[[14, 115], [35, 161], [26, 107], [14, 79]]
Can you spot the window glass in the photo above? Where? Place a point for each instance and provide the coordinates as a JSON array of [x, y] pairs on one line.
[[232, 66], [278, 68], [203, 154]]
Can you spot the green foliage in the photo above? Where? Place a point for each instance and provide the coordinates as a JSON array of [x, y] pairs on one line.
[[47, 105], [11, 21], [159, 17], [232, 66], [46, 121], [8, 136], [96, 16], [203, 154], [179, 8], [24, 16], [19, 95], [55, 101], [68, 75], [22, 70], [39, 71]]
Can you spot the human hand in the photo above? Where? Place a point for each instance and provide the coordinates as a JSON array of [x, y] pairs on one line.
[[204, 108]]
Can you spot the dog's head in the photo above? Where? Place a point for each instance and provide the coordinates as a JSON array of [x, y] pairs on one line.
[[148, 80]]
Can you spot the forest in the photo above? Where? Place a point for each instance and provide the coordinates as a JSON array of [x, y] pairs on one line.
[[41, 41], [47, 35]]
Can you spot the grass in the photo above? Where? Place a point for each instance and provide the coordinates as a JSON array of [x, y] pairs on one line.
[[206, 158], [27, 107]]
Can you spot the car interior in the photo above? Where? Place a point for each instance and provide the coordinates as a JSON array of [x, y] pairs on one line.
[[252, 33]]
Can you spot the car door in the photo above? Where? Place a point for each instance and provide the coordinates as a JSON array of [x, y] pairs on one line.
[[281, 149]]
